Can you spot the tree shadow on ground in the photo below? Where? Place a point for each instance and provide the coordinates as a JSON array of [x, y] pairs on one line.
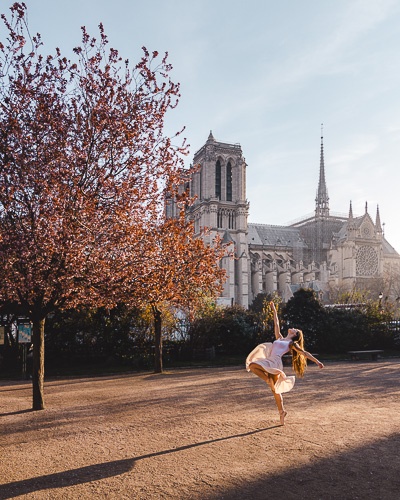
[[360, 473], [66, 478], [98, 471], [363, 381], [17, 412], [354, 474]]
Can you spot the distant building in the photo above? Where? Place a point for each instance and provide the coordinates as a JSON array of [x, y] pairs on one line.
[[322, 251]]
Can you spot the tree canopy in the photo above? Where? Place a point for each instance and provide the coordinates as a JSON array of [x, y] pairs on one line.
[[85, 167]]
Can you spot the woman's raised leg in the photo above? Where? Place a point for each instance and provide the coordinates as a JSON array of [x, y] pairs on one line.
[[257, 370]]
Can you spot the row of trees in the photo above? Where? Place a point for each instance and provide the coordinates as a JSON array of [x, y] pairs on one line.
[[124, 337], [85, 168], [364, 324]]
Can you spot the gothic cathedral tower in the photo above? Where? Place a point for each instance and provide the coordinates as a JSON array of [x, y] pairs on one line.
[[219, 186]]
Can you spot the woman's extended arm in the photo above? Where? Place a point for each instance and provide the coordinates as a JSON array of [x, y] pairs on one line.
[[277, 329], [307, 355]]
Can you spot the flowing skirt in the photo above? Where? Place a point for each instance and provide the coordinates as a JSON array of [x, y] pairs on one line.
[[272, 364]]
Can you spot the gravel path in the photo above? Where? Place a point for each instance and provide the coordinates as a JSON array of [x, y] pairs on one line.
[[205, 434]]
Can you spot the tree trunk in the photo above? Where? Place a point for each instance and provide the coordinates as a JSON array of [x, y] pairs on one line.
[[158, 365], [38, 364]]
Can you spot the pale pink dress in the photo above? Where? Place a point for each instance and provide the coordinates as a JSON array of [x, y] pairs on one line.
[[269, 356]]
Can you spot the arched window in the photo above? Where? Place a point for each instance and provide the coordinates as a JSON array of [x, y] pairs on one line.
[[231, 219], [218, 180], [219, 219], [229, 182], [200, 183]]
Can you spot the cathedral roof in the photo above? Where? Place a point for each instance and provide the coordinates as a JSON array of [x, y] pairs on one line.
[[227, 238], [341, 235], [277, 236], [387, 248]]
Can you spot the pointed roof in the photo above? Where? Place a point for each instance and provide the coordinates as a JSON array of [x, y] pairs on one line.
[[378, 220], [322, 199], [211, 137], [351, 210], [227, 238], [351, 225]]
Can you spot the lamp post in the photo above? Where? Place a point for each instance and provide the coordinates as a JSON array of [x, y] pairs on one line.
[[380, 302]]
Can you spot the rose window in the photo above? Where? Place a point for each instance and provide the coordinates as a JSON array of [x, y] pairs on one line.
[[366, 261]]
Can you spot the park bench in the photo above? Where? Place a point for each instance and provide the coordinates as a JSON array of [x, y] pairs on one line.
[[355, 355]]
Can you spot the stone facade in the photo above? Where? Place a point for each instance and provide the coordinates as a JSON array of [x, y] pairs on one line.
[[322, 251]]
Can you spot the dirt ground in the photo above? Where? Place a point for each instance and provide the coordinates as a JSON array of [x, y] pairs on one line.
[[205, 434]]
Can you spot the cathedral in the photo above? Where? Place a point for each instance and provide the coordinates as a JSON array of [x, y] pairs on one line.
[[324, 252]]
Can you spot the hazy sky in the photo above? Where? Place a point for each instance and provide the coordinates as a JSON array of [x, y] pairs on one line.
[[266, 74]]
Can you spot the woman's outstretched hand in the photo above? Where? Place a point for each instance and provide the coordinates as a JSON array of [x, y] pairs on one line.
[[320, 365]]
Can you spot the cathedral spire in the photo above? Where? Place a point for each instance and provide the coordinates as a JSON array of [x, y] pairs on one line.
[[350, 224], [378, 220], [322, 199]]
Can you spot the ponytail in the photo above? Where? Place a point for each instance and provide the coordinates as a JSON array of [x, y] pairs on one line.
[[299, 362]]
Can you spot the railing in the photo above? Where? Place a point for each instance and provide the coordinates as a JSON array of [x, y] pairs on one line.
[[339, 215]]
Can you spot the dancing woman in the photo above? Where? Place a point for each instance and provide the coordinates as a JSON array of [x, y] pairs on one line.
[[265, 361]]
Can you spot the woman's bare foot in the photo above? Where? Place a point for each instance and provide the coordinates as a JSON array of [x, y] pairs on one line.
[[282, 415]]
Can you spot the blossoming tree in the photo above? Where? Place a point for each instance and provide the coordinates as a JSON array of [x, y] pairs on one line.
[[84, 164]]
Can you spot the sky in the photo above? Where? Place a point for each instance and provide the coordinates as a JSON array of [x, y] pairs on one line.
[[266, 75]]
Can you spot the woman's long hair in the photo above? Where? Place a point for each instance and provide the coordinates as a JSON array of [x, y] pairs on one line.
[[299, 362]]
